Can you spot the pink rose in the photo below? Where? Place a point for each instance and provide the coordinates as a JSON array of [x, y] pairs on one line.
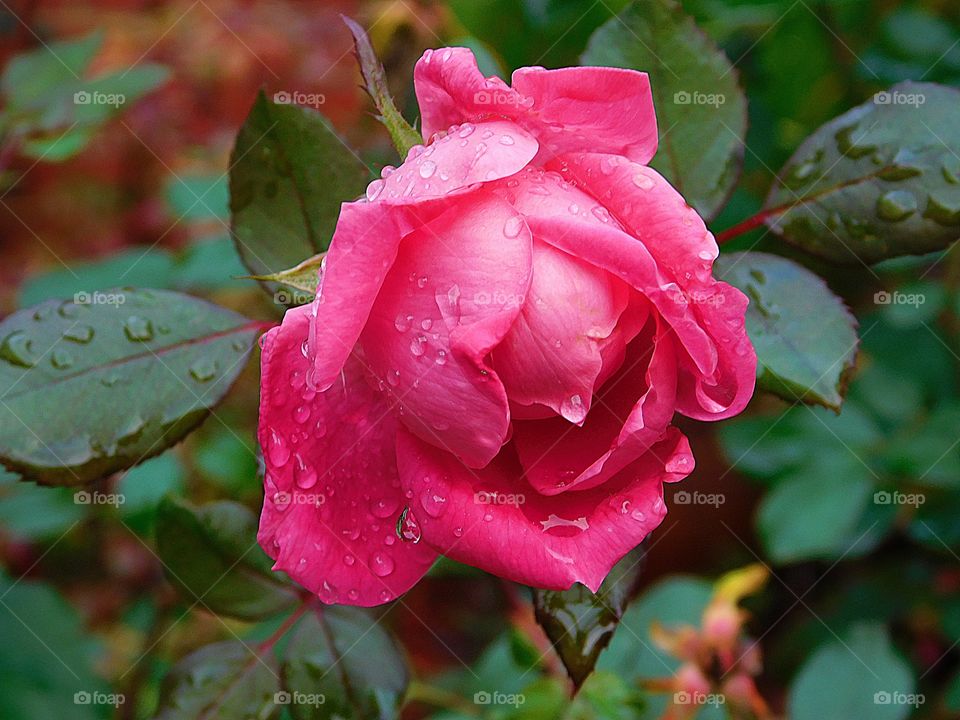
[[505, 326]]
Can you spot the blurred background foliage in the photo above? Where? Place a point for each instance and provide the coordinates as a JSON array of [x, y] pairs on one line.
[[863, 594]]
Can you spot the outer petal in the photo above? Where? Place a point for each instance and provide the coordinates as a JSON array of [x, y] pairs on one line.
[[332, 491], [482, 519], [552, 355], [718, 371], [451, 90], [368, 232], [590, 109], [629, 417], [586, 109], [453, 293]]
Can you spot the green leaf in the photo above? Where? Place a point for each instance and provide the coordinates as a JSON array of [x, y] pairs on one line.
[[815, 515], [341, 663], [404, 137], [701, 110], [205, 265], [34, 79], [302, 278], [36, 513], [101, 383], [861, 676], [54, 659], [579, 623], [211, 554], [805, 337], [290, 172], [879, 181], [223, 681]]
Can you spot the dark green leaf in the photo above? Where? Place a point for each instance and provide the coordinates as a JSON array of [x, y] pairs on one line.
[[211, 554], [805, 337], [816, 515], [404, 137], [98, 384], [579, 623], [860, 676], [224, 681], [208, 264], [289, 174], [52, 667], [341, 663], [879, 181], [701, 110]]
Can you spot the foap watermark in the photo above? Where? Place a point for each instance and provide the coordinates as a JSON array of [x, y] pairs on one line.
[[84, 697], [696, 97], [499, 298], [99, 298], [285, 499], [84, 97], [896, 697], [501, 98], [898, 298], [697, 297], [895, 497], [492, 497], [282, 697], [85, 497], [483, 697], [899, 98], [292, 297], [698, 698], [685, 497], [295, 97]]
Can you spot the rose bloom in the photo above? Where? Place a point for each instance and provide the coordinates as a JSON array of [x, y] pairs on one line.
[[504, 329]]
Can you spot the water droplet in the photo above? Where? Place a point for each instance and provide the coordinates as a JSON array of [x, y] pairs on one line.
[[408, 528], [381, 564], [466, 130], [374, 189], [422, 281], [17, 348], [433, 504], [418, 345], [349, 559], [384, 507], [601, 213], [138, 329], [427, 169], [204, 369], [506, 140], [458, 532], [426, 323], [574, 209], [642, 181], [81, 334], [61, 359], [304, 475], [301, 414], [277, 450], [402, 323], [896, 205], [441, 357], [513, 226]]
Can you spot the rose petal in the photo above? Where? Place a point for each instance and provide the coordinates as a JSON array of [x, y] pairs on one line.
[[684, 251], [481, 518], [552, 354], [332, 495], [584, 109], [630, 415], [454, 291]]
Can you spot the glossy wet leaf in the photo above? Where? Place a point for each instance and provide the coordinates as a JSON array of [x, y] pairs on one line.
[[290, 172], [701, 110], [804, 335], [579, 623], [55, 658], [211, 554], [375, 80], [223, 681], [879, 181], [98, 385], [859, 676], [341, 663]]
